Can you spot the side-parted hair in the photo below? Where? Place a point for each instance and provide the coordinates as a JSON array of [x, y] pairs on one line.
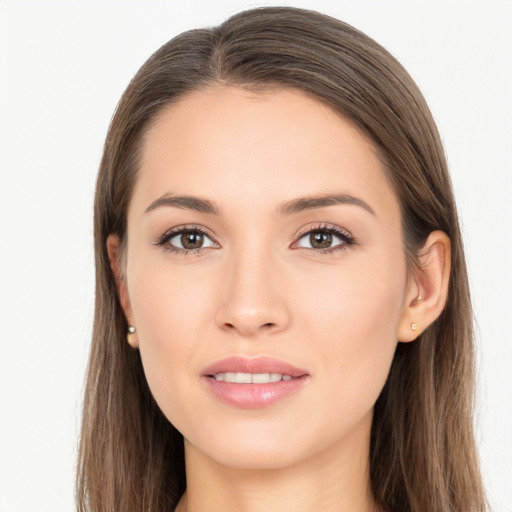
[[422, 449]]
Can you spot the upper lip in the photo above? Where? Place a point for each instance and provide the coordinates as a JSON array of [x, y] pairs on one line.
[[253, 365]]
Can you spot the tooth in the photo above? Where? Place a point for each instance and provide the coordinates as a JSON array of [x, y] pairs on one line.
[[230, 377], [250, 378], [261, 378], [243, 378]]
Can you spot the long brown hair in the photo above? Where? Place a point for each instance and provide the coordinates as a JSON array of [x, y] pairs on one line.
[[422, 452]]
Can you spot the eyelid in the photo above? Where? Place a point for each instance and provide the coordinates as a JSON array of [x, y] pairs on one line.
[[172, 232], [347, 238], [324, 226]]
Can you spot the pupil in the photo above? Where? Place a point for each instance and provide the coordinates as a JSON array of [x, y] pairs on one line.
[[321, 240], [192, 240]]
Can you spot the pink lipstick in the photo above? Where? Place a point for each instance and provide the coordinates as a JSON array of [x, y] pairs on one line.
[[253, 383]]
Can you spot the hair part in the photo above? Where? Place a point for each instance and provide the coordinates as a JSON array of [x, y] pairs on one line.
[[422, 453]]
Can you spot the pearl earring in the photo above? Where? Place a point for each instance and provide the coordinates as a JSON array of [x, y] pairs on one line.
[[414, 327], [131, 332]]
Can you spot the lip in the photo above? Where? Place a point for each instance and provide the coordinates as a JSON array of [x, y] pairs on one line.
[[253, 396], [253, 365]]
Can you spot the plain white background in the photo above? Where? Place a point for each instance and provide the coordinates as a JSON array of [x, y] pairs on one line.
[[63, 67]]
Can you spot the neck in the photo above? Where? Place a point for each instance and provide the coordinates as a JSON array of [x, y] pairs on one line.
[[336, 479]]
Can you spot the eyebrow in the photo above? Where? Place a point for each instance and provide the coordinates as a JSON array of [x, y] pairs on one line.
[[202, 205], [320, 201]]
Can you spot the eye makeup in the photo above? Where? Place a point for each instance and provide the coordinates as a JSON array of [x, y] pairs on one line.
[[332, 231], [164, 241], [318, 234]]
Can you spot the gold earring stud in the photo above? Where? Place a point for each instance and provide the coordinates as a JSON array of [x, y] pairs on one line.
[[414, 327], [131, 332]]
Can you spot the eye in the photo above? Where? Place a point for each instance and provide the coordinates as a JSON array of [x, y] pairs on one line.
[[185, 239], [325, 238]]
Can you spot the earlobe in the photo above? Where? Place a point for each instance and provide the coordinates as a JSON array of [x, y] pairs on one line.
[[428, 287], [113, 248]]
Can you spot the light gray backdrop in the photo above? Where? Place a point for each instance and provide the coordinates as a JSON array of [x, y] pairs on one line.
[[63, 67]]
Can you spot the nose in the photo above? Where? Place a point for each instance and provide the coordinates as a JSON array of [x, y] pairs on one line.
[[252, 295]]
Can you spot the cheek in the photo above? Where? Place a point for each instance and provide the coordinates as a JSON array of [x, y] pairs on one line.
[[167, 302], [362, 300], [355, 324], [168, 310]]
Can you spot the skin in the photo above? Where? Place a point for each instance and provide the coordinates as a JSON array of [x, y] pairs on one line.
[[258, 287]]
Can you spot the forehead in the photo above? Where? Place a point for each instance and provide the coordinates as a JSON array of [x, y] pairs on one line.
[[231, 143]]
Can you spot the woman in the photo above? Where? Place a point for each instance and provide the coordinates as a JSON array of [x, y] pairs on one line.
[[282, 313]]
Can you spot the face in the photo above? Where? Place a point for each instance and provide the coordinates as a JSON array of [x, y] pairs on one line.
[[265, 274]]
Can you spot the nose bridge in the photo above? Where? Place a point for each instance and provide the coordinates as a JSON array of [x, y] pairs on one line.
[[252, 294]]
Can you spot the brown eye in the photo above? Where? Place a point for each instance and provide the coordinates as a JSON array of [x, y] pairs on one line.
[[185, 239], [191, 240], [325, 239], [320, 239]]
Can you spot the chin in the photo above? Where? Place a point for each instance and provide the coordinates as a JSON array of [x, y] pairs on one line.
[[242, 456], [264, 446]]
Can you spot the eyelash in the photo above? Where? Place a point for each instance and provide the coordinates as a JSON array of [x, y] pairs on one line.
[[345, 236], [171, 233]]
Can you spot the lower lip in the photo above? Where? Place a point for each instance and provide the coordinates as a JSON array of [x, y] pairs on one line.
[[254, 396]]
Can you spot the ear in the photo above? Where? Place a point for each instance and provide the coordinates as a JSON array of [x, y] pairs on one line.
[[427, 289], [113, 249]]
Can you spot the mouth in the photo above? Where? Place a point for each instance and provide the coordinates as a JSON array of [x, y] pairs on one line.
[[253, 383], [266, 368], [251, 378]]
